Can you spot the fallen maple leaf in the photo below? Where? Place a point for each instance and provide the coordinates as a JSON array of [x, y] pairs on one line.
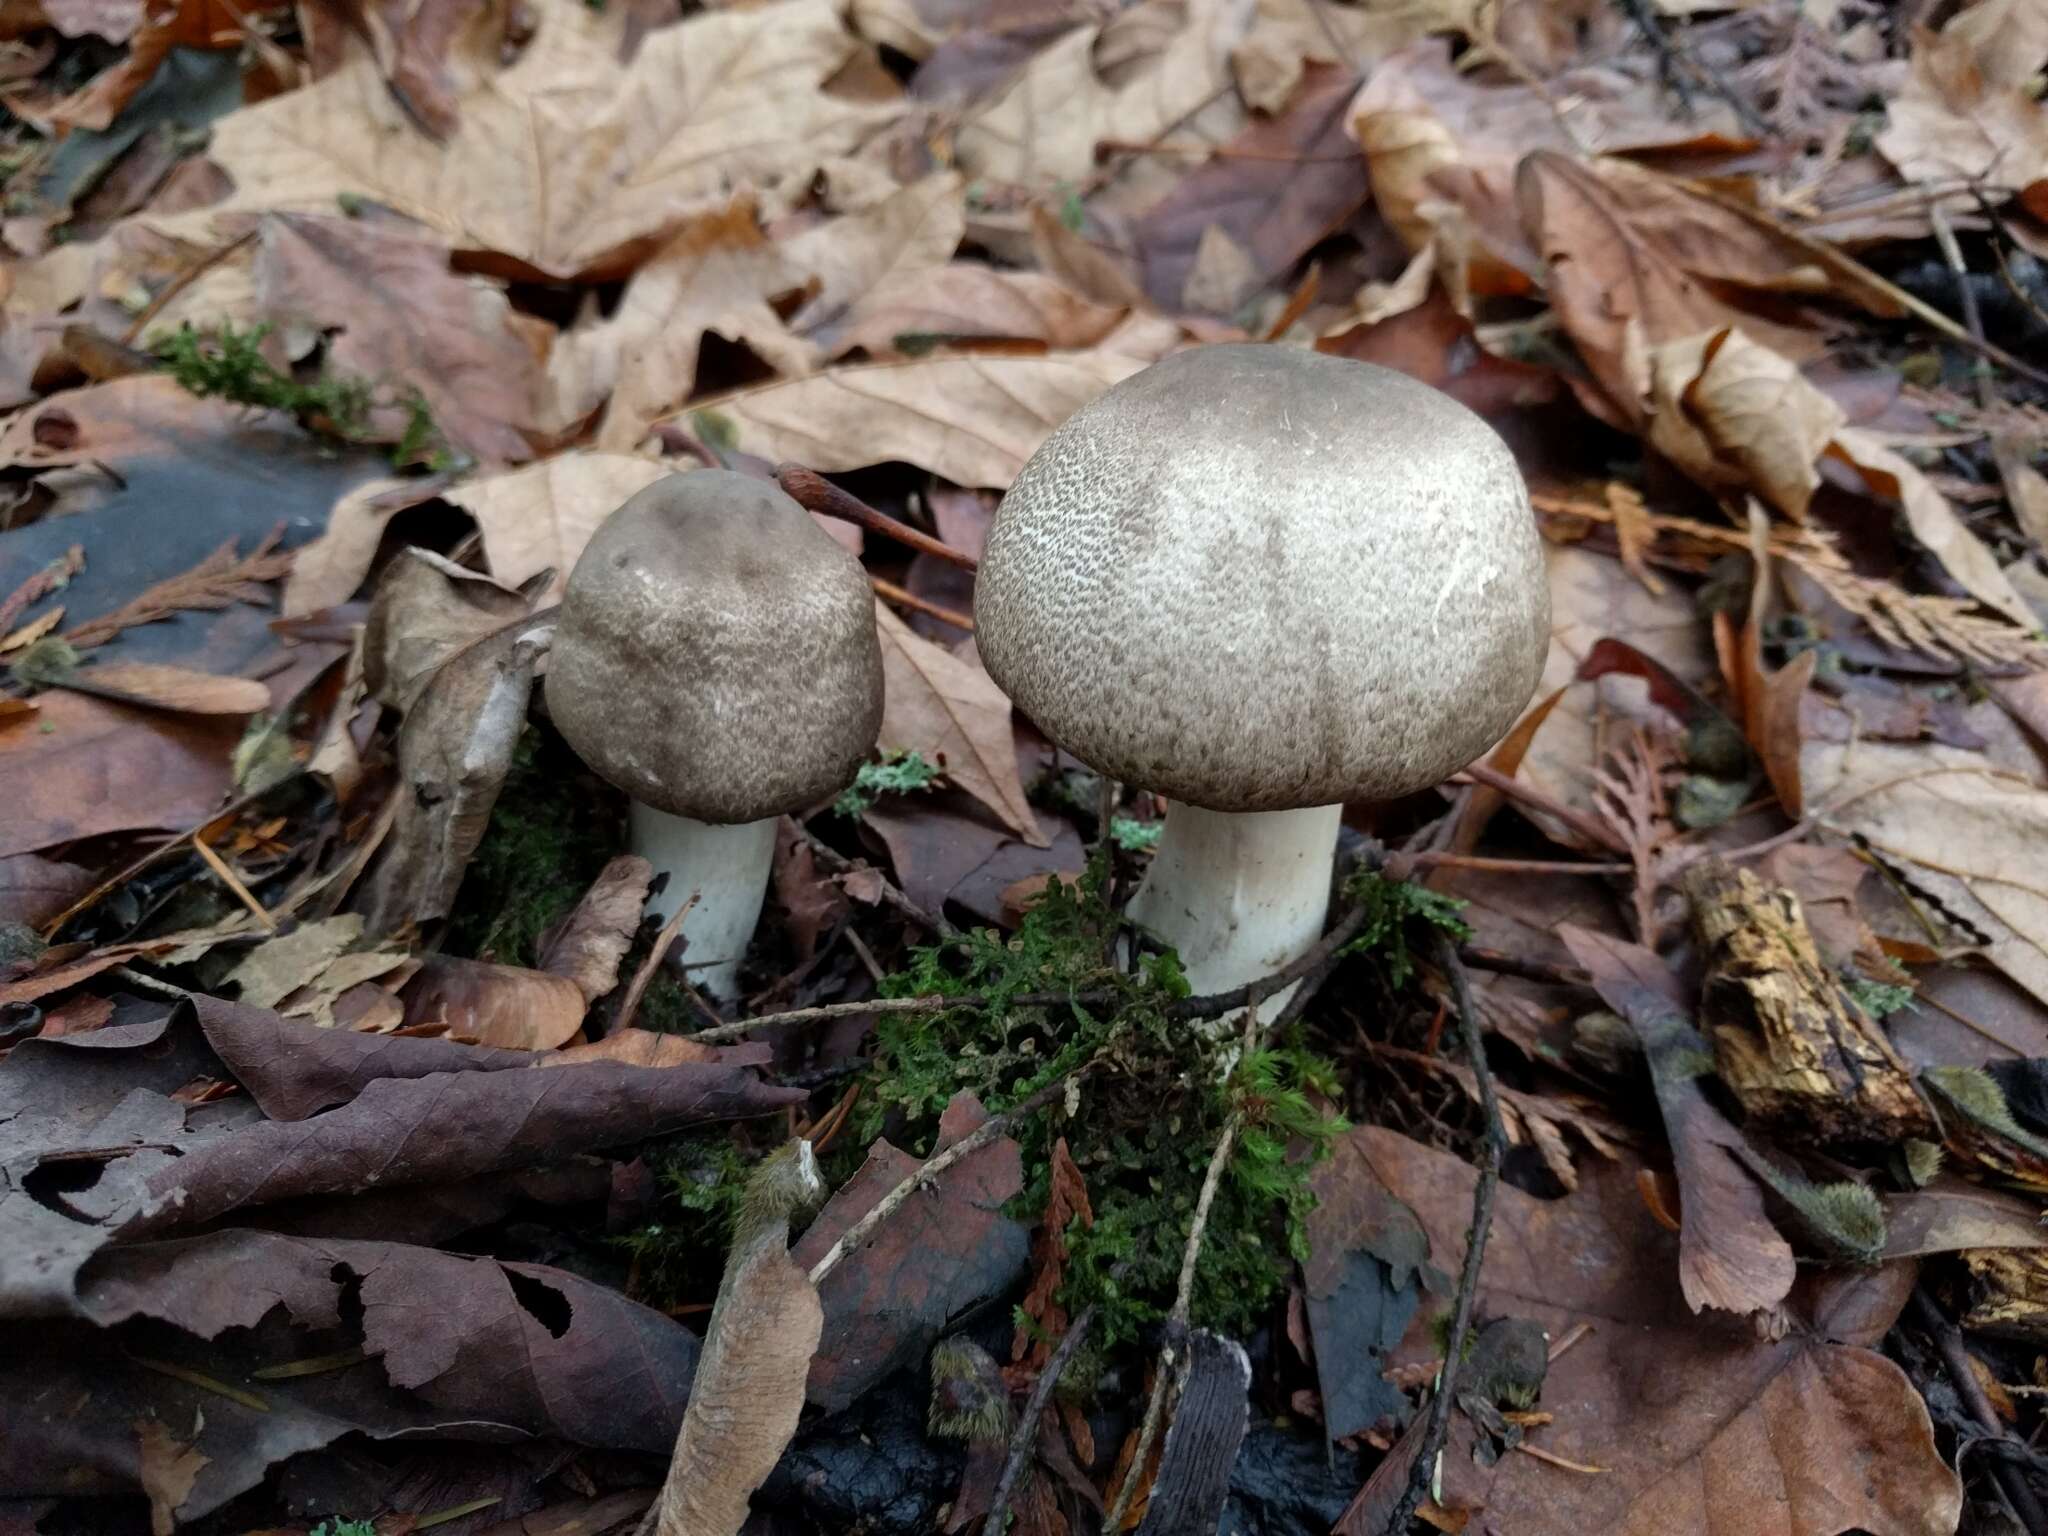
[[881, 248], [567, 163], [395, 313], [1687, 1417], [538, 518], [971, 420], [950, 712], [1966, 117]]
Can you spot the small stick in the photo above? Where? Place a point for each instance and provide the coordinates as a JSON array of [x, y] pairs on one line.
[[241, 892], [1586, 826], [814, 493], [1421, 1473], [1503, 964], [1948, 1341], [904, 598], [1952, 253], [1431, 860], [645, 974], [1026, 1434], [839, 864], [937, 1164], [825, 1012], [181, 282]]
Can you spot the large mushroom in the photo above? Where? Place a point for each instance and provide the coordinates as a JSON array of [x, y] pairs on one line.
[[1263, 582], [716, 659]]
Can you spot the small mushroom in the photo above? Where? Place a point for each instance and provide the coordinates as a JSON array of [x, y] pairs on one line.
[[1263, 581], [716, 659]]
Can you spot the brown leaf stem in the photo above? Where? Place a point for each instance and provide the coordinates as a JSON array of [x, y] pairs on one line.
[[814, 493]]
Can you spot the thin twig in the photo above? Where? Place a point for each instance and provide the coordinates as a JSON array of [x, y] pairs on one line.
[[938, 1163], [1421, 1473], [181, 282], [645, 974], [1025, 1437], [1673, 53], [233, 882], [1428, 859], [814, 493], [1183, 1297], [1518, 789], [902, 597], [1501, 963], [1952, 253]]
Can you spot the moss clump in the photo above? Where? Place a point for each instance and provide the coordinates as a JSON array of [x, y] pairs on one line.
[[1390, 907], [897, 774], [545, 843], [1142, 1127], [702, 1178]]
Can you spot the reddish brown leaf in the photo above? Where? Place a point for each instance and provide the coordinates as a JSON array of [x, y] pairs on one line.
[[811, 902], [506, 1006], [1434, 343], [591, 942]]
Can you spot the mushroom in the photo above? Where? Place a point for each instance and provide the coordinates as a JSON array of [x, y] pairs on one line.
[[716, 659], [1263, 581]]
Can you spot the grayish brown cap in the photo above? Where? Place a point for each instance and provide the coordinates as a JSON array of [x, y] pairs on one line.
[[1258, 578], [716, 654]]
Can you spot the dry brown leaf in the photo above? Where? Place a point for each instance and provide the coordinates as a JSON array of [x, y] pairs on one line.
[[1934, 523], [716, 273], [1973, 838], [950, 712], [538, 518], [642, 1048], [426, 610], [567, 162], [1136, 84], [167, 687], [1731, 413], [2026, 488], [1632, 259], [971, 420], [278, 967], [167, 1467], [394, 313], [595, 937], [328, 570], [968, 301], [1096, 273], [410, 40], [507, 1006], [884, 247], [1966, 116]]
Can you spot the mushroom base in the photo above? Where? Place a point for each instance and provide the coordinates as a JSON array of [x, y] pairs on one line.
[[727, 867], [1239, 894]]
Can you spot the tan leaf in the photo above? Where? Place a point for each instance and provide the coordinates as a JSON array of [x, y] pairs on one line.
[[593, 940], [167, 1468], [167, 687], [539, 517], [1096, 273], [1966, 114], [2006, 39], [1934, 523], [1976, 837], [966, 300], [1043, 125], [637, 1048], [329, 569], [952, 713], [501, 1005], [1731, 413], [278, 967], [2026, 488], [567, 161], [971, 420], [883, 247], [427, 610], [395, 314], [716, 273]]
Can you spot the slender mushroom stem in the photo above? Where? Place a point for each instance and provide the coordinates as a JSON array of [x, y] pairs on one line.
[[1239, 894], [728, 866]]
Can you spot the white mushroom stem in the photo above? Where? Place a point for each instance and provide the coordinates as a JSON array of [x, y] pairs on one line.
[[727, 868], [1239, 893]]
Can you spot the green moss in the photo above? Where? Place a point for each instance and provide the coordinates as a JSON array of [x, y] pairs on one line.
[[702, 1178], [547, 840], [1389, 906], [897, 774], [1134, 836]]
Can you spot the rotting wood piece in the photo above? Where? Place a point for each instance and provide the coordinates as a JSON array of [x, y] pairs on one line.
[[2004, 1291], [1790, 1043]]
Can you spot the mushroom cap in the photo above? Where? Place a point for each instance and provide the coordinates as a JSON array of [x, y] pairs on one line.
[[1256, 578], [716, 654]]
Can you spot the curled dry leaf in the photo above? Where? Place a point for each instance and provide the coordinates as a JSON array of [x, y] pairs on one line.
[[506, 1006], [426, 610], [971, 420], [593, 939], [950, 712], [883, 248], [1729, 1256], [539, 518], [567, 162]]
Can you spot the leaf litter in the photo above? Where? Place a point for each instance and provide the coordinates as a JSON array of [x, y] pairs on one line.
[[302, 890]]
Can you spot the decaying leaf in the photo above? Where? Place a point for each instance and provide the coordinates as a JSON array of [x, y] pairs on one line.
[[276, 968], [168, 1467], [951, 713], [160, 687], [1966, 116], [1730, 1256], [858, 261], [507, 1006], [427, 610]]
